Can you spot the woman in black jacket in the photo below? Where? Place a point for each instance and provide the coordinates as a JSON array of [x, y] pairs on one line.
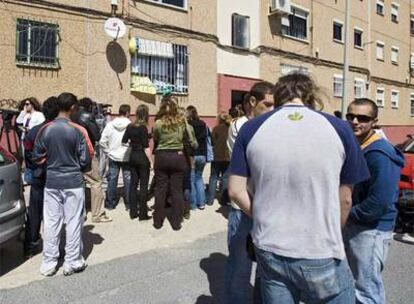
[[198, 196], [140, 162]]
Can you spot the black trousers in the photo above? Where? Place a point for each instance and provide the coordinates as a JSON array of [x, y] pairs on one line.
[[170, 168], [34, 216], [140, 172]]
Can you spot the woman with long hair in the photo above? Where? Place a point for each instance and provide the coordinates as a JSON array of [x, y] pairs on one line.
[[198, 196], [170, 163], [30, 114], [140, 162], [221, 157]]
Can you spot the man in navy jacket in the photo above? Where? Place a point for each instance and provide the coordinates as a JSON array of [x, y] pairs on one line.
[[371, 221]]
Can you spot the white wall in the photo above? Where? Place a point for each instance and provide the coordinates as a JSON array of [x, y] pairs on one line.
[[228, 62]]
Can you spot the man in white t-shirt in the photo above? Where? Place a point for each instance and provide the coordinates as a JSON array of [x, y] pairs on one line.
[[239, 266]]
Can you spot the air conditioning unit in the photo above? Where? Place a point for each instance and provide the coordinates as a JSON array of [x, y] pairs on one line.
[[280, 7]]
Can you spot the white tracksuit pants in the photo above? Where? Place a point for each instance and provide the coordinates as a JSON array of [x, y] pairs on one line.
[[63, 206]]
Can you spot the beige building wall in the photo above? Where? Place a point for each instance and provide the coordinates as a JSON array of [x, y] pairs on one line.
[[323, 57], [93, 65]]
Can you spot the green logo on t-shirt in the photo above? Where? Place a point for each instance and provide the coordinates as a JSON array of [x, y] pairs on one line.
[[295, 117]]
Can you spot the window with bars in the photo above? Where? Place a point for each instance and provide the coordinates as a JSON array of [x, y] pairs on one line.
[[165, 64], [359, 88], [394, 98], [37, 43], [240, 31], [298, 24], [338, 85], [380, 98]]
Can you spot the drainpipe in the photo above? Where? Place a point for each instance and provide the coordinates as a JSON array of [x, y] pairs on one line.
[[346, 58], [368, 84]]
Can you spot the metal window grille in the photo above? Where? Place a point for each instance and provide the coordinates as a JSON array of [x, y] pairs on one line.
[[394, 99], [164, 72], [177, 3], [394, 55], [37, 43], [297, 25], [359, 89]]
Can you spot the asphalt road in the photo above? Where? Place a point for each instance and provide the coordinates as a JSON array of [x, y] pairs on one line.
[[187, 273]]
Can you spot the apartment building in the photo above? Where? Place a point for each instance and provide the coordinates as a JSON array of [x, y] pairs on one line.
[[49, 47], [309, 35]]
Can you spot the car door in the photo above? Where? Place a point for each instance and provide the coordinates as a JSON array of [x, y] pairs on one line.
[[10, 181]]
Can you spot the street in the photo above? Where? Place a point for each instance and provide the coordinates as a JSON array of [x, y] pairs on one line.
[[150, 266]]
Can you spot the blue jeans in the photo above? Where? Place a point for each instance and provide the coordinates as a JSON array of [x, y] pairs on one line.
[[113, 174], [239, 265], [198, 194], [288, 281], [218, 170], [367, 251]]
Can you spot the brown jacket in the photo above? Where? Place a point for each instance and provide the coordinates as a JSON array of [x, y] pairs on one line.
[[219, 138]]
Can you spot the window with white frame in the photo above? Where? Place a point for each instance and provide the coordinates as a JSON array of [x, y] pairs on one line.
[[394, 98], [298, 24], [37, 43], [380, 7], [394, 12], [359, 88], [380, 97], [240, 31], [176, 3], [412, 104], [380, 50], [394, 54], [338, 31], [338, 85], [289, 69], [358, 38], [165, 64]]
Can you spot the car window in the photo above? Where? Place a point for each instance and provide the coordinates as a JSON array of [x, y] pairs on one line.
[[409, 148]]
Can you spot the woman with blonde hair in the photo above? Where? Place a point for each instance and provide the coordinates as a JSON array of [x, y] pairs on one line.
[[140, 162], [170, 163]]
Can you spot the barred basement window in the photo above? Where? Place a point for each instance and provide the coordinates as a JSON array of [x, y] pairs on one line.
[[37, 43], [164, 64]]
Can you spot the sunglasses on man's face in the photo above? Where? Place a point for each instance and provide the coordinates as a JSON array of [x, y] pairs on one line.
[[360, 118], [27, 103]]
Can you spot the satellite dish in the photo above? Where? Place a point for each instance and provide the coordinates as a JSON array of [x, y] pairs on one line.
[[115, 28]]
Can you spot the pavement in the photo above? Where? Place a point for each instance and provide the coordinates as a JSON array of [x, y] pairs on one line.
[[131, 262]]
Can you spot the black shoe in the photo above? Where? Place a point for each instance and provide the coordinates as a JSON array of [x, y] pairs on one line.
[[157, 226], [144, 217], [186, 214], [176, 228], [133, 216]]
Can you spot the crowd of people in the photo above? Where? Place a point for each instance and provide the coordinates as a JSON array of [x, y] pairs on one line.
[[312, 196]]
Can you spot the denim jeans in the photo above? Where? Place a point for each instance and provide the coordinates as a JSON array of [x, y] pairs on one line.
[[367, 251], [113, 174], [218, 170], [198, 194], [288, 281], [239, 265]]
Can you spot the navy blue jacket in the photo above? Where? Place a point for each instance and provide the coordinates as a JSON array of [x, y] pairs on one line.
[[374, 201]]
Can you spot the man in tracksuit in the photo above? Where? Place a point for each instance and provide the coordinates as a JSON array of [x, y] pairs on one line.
[[371, 221], [68, 151]]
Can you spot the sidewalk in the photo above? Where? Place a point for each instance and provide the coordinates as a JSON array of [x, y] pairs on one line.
[[122, 237]]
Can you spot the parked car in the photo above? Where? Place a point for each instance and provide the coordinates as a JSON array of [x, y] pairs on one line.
[[405, 220], [12, 206]]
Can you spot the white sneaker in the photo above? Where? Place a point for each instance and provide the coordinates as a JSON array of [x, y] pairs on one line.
[[70, 271], [408, 237], [48, 273]]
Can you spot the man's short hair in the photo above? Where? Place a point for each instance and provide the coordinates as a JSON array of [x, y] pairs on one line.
[[66, 101], [50, 108], [86, 103], [363, 102], [260, 89], [124, 110]]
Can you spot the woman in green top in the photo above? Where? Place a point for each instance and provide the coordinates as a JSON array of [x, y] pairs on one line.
[[170, 163]]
